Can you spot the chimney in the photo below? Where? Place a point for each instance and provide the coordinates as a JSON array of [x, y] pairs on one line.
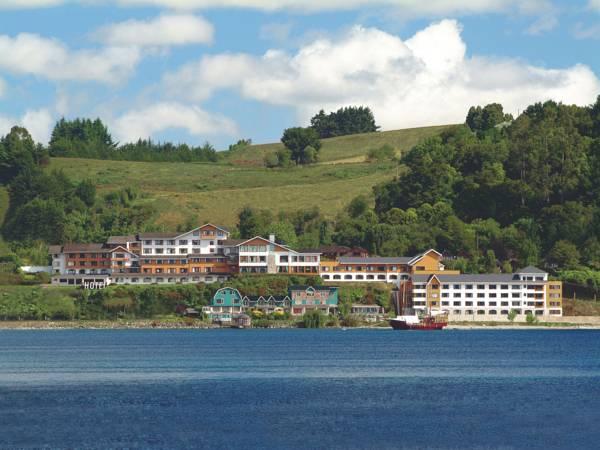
[[272, 238]]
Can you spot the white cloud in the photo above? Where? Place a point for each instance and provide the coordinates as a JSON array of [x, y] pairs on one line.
[[278, 32], [425, 80], [49, 58], [542, 25], [409, 7], [23, 4], [595, 4], [582, 32], [38, 122], [146, 121], [420, 7], [165, 30]]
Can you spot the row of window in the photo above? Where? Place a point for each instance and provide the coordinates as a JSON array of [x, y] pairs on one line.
[[479, 286], [180, 270], [359, 277], [172, 251]]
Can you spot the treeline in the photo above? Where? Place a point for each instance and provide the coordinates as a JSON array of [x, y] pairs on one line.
[[85, 138], [302, 144], [50, 208]]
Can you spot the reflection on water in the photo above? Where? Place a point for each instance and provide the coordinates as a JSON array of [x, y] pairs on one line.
[[300, 388]]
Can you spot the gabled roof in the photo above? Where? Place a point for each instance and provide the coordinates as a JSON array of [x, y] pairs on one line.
[[233, 242], [300, 287], [285, 247], [157, 235], [530, 269], [202, 226], [85, 248], [123, 249], [121, 239], [420, 255]]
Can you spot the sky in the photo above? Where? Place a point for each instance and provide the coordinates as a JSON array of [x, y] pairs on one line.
[[221, 70]]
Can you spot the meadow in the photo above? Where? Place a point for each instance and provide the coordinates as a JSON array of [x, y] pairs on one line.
[[217, 192]]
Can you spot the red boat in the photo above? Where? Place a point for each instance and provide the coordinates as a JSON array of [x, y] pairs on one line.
[[410, 319], [428, 322]]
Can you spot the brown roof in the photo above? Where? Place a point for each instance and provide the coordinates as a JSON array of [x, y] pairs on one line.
[[89, 248], [153, 235], [233, 242], [55, 249], [121, 239]]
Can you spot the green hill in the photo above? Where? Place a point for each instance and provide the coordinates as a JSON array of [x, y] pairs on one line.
[[216, 192], [353, 148]]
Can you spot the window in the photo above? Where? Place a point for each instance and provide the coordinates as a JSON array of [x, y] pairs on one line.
[[182, 251], [158, 242], [455, 303], [171, 242], [147, 242], [480, 312], [457, 295], [492, 303], [468, 303], [480, 303], [480, 295], [196, 242], [469, 295], [516, 303], [158, 251], [445, 286], [493, 312], [503, 295], [516, 295], [492, 295], [445, 295], [183, 242], [492, 286], [504, 286], [481, 286], [516, 286], [457, 286], [445, 303], [469, 286]]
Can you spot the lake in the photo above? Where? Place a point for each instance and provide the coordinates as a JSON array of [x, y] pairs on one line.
[[455, 389]]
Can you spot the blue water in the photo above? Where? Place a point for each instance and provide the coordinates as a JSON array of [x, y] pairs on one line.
[[300, 389]]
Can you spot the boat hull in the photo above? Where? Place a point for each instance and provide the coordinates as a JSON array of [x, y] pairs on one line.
[[425, 326]]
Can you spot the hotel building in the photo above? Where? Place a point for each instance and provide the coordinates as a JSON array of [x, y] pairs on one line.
[[207, 254]]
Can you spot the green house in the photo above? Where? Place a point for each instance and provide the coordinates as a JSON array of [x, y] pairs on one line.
[[324, 298], [225, 304]]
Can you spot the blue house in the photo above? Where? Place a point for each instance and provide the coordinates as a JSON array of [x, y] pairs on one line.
[[225, 305]]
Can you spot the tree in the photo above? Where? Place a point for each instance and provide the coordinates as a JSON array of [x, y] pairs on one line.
[[564, 255], [344, 121], [358, 206], [482, 119], [302, 142], [512, 315], [86, 191], [17, 154]]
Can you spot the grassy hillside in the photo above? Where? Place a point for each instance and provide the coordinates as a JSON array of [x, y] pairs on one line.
[[216, 192], [352, 148]]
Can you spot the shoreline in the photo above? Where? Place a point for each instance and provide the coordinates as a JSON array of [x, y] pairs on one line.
[[177, 325]]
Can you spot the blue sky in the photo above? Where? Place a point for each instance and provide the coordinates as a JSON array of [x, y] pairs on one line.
[[209, 70]]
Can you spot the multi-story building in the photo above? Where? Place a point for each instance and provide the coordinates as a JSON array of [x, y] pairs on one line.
[[382, 269], [207, 254], [260, 255], [527, 291]]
